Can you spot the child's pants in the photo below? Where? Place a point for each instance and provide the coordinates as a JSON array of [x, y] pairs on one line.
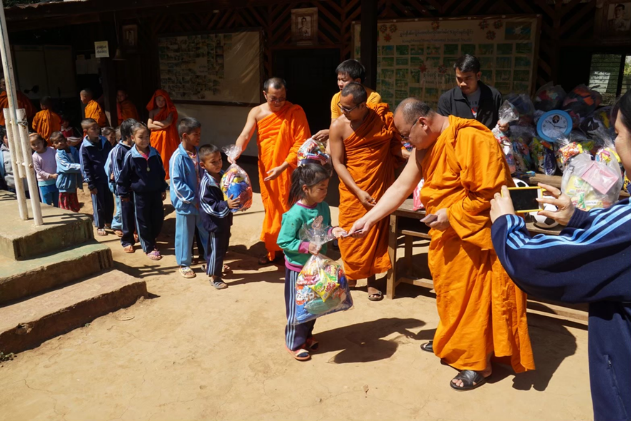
[[49, 194], [184, 233], [216, 248], [69, 201], [295, 335], [117, 221], [128, 216], [102, 206], [149, 218]]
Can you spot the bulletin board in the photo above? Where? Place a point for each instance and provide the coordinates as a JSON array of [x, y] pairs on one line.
[[223, 68], [416, 57]]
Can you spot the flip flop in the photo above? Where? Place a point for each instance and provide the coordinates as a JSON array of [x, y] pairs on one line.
[[128, 249], [118, 233], [300, 354], [101, 232], [219, 284], [428, 347], [187, 272], [470, 379], [377, 296], [154, 255]]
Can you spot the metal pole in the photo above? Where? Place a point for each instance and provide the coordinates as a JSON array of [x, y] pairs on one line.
[[21, 143], [15, 164]]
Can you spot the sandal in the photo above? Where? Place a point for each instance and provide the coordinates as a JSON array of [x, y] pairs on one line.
[[226, 268], [377, 296], [118, 233], [187, 272], [154, 255], [470, 379], [218, 283], [101, 232], [312, 344], [300, 354], [428, 347], [135, 237], [128, 249]]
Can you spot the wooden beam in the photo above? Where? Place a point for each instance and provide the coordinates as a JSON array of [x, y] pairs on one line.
[[369, 41]]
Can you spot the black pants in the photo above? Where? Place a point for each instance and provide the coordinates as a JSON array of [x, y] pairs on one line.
[[102, 206], [216, 249], [149, 218], [128, 216]]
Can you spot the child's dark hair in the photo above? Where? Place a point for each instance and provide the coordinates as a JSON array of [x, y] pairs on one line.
[[206, 150], [105, 131], [87, 122], [56, 136], [138, 125], [3, 132], [309, 175], [187, 125], [126, 128]]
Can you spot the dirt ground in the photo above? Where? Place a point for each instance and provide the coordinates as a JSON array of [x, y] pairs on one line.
[[191, 352]]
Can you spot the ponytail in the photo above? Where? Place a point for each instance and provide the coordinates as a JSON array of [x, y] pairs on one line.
[[309, 175]]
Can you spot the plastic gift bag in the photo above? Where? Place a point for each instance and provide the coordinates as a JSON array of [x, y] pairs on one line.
[[235, 181], [580, 102], [549, 97], [591, 184], [543, 156], [524, 107], [417, 196], [507, 113], [312, 151], [321, 287], [521, 137]]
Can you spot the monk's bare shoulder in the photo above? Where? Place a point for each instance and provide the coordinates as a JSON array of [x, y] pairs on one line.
[[341, 127], [260, 112]]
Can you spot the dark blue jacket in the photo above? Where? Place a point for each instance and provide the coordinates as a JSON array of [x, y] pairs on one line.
[[140, 175], [590, 261], [93, 157], [215, 213]]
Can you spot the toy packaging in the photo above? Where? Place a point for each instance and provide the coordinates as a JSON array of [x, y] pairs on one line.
[[591, 184], [507, 113], [235, 182], [321, 287], [549, 97], [312, 151]]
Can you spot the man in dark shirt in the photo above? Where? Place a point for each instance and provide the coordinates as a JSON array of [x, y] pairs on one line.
[[471, 98]]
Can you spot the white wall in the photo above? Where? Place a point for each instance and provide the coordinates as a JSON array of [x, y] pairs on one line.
[[221, 125]]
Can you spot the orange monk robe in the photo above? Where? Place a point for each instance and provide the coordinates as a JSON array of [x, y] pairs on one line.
[[23, 102], [167, 140], [481, 311], [126, 109], [94, 110], [280, 135], [371, 161], [46, 123]]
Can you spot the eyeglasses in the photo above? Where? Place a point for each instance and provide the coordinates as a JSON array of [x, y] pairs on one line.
[[276, 100], [347, 110], [407, 138]]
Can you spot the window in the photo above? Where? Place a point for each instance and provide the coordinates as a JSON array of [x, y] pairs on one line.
[[610, 74]]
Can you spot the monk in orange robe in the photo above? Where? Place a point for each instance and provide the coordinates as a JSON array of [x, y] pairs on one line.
[[365, 149], [92, 108], [46, 122], [23, 102], [163, 125], [124, 107], [282, 128], [482, 313]]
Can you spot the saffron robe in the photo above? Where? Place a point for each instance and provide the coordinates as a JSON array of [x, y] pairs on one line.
[[280, 135], [371, 161], [125, 110], [46, 122], [167, 140], [23, 102], [94, 110], [481, 310]]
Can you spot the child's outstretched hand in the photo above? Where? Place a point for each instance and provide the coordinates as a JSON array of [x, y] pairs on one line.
[[314, 248], [338, 232], [234, 203]]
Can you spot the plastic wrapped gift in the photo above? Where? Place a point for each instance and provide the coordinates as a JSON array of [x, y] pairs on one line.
[[524, 107], [235, 182], [591, 184], [521, 137], [543, 156], [580, 102], [312, 151], [507, 113], [549, 97]]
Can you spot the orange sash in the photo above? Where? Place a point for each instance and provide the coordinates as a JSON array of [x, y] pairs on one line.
[[167, 140], [94, 110]]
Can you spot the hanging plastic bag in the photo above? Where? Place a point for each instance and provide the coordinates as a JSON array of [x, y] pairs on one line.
[[321, 287], [591, 184], [417, 196], [549, 97], [524, 107], [235, 181], [313, 151], [507, 113]]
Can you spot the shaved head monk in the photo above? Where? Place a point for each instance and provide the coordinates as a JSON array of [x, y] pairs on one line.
[[365, 149], [23, 102], [281, 129], [92, 108], [124, 107], [482, 313]]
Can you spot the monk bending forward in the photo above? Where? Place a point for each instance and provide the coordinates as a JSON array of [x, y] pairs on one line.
[[365, 148], [282, 128], [482, 313]]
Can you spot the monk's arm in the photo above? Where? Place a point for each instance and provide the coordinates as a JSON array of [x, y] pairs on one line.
[[160, 125], [247, 133], [336, 143], [301, 133]]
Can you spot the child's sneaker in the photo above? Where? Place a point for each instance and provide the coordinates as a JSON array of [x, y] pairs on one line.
[[218, 283], [187, 272]]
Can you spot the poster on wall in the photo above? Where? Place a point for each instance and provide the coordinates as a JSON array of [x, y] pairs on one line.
[[416, 57], [219, 67]]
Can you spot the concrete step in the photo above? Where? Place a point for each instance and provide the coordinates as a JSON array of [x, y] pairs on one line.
[[21, 240], [22, 279], [27, 324]]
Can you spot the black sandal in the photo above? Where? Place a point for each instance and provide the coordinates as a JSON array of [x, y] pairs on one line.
[[376, 296], [470, 379], [428, 347]]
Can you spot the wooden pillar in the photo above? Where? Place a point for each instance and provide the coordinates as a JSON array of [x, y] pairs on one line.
[[369, 41]]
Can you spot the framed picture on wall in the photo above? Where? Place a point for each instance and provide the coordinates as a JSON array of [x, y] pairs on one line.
[[130, 38], [304, 26], [613, 20]]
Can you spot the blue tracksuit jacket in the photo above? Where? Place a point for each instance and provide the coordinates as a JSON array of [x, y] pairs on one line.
[[93, 158], [184, 188], [216, 215], [140, 175], [115, 160], [68, 170], [590, 261]]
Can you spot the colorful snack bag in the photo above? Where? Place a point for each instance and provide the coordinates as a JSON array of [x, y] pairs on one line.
[[549, 97], [313, 151], [235, 182]]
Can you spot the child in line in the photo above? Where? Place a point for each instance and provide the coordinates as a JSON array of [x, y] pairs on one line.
[[68, 172], [69, 132], [46, 122], [309, 185], [215, 213], [45, 167], [113, 167], [141, 182], [94, 152], [110, 134], [185, 173], [7, 180]]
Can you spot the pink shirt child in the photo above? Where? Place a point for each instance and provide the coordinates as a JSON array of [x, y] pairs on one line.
[[45, 166]]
